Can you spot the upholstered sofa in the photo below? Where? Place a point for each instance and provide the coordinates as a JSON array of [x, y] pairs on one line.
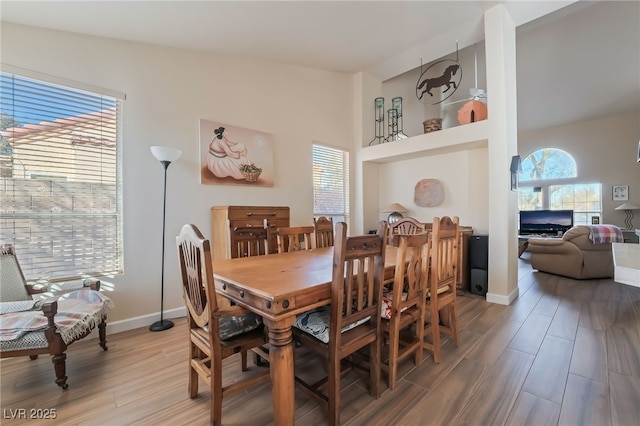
[[576, 255]]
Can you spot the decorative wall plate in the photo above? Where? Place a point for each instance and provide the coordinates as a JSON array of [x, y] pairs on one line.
[[428, 193]]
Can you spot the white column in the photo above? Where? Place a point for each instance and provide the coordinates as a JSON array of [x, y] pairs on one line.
[[500, 40]]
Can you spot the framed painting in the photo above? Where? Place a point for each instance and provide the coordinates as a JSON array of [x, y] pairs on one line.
[[620, 192], [231, 155]]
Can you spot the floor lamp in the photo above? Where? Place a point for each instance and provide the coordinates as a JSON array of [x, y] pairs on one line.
[[165, 155]]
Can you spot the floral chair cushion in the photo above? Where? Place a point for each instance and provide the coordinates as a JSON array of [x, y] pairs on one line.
[[237, 324], [387, 302], [316, 323]]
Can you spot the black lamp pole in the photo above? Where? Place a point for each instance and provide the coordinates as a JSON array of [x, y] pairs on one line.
[[163, 324]]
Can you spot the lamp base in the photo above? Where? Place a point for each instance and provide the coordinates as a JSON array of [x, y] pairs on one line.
[[161, 325], [394, 217], [628, 220]]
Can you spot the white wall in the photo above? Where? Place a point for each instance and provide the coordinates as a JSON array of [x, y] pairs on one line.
[[605, 151], [168, 91], [463, 175]]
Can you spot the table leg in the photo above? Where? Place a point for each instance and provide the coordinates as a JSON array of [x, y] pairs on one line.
[[282, 371]]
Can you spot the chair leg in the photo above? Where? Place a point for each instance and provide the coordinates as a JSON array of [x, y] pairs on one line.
[[333, 392], [375, 350], [59, 365], [193, 374], [216, 391], [435, 335], [419, 354], [394, 342], [243, 362], [453, 323], [102, 333]]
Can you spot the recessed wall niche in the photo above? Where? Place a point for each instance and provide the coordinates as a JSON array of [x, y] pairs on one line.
[[415, 111]]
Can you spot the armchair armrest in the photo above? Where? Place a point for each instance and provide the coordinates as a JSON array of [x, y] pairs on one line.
[[90, 283], [31, 289], [550, 246]]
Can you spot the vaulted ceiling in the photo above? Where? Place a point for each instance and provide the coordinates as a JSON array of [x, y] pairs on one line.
[[575, 60]]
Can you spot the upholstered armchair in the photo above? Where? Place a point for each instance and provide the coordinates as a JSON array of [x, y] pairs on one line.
[[583, 252], [31, 327]]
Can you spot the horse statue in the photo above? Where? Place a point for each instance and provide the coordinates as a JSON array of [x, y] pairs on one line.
[[443, 80]]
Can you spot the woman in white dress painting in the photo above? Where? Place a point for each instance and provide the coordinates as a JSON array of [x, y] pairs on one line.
[[225, 157]]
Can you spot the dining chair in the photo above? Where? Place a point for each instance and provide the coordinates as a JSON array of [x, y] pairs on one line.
[[250, 241], [217, 329], [351, 322], [403, 307], [441, 288], [405, 226], [289, 238], [323, 228]]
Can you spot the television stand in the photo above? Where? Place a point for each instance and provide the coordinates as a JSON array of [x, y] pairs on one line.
[[523, 240]]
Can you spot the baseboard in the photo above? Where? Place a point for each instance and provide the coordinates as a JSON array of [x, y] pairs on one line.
[[137, 322], [503, 300]]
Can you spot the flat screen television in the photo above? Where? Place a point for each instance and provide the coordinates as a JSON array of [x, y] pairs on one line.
[[545, 221]]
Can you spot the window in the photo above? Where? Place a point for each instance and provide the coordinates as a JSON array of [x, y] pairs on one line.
[[549, 181], [331, 183], [60, 180]]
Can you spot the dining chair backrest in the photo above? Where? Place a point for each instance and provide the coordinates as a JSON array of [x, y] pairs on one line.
[[196, 276], [405, 226], [444, 252], [441, 290], [323, 228], [250, 241], [294, 238], [356, 287]]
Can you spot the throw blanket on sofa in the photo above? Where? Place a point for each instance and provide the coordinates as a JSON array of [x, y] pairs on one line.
[[603, 234], [78, 312]]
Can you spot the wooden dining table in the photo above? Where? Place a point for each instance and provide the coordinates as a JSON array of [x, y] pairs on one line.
[[278, 287]]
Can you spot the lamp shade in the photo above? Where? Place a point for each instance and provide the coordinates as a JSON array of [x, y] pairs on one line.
[[395, 207], [627, 206], [165, 153]]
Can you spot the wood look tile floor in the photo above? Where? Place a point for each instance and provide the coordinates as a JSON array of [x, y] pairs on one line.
[[566, 352]]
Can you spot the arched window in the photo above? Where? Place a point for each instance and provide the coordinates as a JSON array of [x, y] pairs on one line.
[[549, 180], [548, 163]]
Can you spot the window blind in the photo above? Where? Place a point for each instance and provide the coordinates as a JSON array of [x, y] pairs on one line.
[[331, 182], [60, 179]]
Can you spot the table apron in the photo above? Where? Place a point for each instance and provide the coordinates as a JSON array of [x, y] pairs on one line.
[[275, 308]]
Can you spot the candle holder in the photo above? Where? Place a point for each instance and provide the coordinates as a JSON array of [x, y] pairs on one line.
[[393, 124], [396, 103], [379, 121]]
